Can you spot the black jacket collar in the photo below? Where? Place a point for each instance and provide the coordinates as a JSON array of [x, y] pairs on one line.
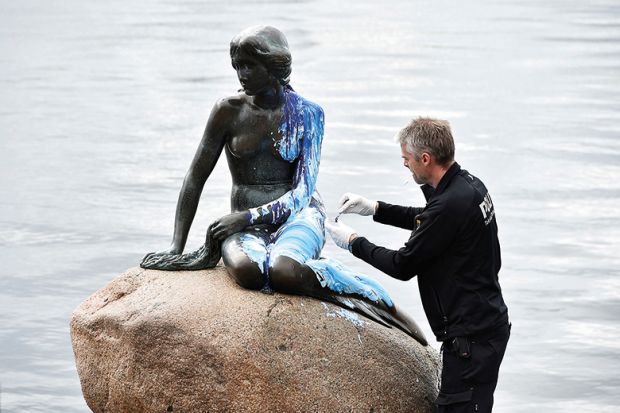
[[429, 191]]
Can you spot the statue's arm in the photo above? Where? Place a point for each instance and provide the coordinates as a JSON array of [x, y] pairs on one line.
[[207, 154]]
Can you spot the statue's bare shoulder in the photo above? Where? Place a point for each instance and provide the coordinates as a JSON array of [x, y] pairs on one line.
[[238, 114], [225, 116], [231, 106]]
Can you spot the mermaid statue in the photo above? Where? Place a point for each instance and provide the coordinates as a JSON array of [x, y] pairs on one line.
[[273, 238]]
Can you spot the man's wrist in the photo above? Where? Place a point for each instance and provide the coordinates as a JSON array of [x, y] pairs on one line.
[[352, 238]]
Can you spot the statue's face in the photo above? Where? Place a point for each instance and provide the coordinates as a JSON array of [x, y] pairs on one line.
[[253, 75]]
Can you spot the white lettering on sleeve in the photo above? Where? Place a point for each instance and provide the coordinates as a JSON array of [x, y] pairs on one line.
[[488, 211]]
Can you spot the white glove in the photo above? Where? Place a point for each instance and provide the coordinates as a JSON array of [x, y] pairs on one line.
[[340, 233], [356, 204]]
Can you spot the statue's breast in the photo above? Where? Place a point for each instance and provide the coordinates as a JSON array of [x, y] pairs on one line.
[[254, 157], [288, 145], [258, 134], [250, 145]]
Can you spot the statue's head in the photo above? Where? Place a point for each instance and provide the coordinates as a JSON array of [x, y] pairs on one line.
[[267, 45]]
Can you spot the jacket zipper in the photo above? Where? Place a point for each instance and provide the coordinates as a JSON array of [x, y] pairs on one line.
[[444, 318]]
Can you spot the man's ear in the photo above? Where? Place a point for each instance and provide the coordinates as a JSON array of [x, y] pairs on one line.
[[426, 158]]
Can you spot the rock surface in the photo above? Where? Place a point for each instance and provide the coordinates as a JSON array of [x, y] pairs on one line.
[[155, 341]]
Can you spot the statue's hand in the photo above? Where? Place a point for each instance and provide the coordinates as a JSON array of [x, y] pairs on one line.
[[356, 204], [152, 257], [230, 224]]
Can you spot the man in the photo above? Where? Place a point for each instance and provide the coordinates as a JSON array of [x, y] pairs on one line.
[[455, 253]]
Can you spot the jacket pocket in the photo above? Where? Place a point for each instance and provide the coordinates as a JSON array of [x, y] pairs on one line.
[[484, 363]]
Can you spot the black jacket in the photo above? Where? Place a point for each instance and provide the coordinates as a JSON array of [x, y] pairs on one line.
[[453, 250]]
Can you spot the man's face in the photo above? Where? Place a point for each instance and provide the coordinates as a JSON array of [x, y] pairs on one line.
[[417, 168]]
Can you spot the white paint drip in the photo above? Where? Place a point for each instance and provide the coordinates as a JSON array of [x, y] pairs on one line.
[[346, 314]]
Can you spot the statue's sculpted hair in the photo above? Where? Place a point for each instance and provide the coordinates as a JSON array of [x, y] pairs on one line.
[[269, 46]]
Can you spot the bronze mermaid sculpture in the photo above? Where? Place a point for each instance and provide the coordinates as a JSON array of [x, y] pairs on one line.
[[273, 238]]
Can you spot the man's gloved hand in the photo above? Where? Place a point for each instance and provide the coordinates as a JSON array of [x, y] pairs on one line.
[[342, 234], [356, 204]]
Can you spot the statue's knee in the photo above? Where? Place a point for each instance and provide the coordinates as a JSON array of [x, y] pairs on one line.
[[246, 273], [287, 275]]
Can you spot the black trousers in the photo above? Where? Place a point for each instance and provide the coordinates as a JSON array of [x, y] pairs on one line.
[[470, 371]]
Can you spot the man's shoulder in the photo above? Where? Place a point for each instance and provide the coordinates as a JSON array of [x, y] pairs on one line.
[[465, 190], [470, 184]]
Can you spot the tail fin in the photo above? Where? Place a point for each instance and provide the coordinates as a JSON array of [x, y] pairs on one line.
[[388, 317]]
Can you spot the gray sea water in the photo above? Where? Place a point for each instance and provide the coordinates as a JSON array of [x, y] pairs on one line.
[[102, 105]]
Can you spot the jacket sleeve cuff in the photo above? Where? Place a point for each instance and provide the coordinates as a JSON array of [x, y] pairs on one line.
[[355, 246], [377, 215]]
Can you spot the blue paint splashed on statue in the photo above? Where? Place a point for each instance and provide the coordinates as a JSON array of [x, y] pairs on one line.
[[302, 236], [300, 211], [338, 278], [302, 134], [256, 250]]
